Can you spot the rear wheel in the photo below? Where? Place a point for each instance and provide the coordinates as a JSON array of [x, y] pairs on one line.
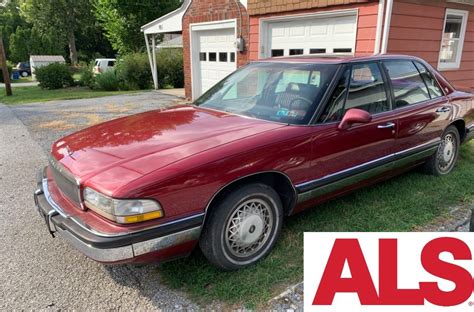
[[445, 158], [243, 227]]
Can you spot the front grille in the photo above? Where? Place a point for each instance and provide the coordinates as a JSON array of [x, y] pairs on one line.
[[65, 181]]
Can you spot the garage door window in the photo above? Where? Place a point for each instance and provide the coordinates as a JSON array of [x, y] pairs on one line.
[[278, 52], [453, 39], [202, 57], [317, 51], [348, 50], [223, 57], [296, 51], [212, 56], [232, 57]]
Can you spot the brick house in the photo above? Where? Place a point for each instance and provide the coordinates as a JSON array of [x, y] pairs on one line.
[[221, 35]]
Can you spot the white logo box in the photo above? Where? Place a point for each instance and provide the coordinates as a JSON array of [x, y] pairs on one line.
[[318, 247]]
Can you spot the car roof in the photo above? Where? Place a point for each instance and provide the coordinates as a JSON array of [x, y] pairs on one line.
[[336, 58]]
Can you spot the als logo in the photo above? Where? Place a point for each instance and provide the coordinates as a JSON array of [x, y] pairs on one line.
[[389, 272]]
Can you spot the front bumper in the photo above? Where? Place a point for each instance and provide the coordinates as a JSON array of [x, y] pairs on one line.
[[167, 240]]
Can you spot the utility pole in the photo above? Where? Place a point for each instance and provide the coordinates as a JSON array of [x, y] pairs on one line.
[[3, 64]]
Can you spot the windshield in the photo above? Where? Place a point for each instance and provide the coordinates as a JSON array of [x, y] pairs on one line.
[[281, 92]]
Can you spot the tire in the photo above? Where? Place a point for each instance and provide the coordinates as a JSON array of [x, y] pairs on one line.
[[444, 160], [24, 74], [243, 227]]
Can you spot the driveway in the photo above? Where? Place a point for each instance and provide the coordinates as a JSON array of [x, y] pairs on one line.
[[42, 273], [21, 84]]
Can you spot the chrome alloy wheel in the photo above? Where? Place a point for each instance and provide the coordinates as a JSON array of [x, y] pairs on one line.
[[249, 228], [447, 153]]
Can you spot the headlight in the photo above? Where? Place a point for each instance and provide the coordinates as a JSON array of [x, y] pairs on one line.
[[122, 210]]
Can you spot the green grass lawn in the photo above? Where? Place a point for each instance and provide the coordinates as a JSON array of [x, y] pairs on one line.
[[22, 95], [401, 204]]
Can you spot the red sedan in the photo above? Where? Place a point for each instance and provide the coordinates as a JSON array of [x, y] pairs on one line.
[[274, 138]]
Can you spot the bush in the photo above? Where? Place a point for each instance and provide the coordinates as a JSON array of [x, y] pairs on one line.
[[134, 71], [107, 81], [170, 68], [87, 77], [54, 76], [1, 73]]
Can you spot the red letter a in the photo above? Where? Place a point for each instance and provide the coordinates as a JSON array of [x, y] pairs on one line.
[[360, 282]]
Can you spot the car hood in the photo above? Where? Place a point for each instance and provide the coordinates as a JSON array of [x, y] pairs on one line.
[[130, 147]]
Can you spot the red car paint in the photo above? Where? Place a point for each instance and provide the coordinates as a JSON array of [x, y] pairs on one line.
[[183, 156]]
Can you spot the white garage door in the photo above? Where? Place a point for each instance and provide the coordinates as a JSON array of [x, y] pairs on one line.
[[216, 59], [316, 35]]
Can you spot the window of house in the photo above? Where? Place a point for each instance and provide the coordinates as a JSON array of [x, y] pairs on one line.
[[433, 87], [452, 40], [203, 56], [367, 90], [407, 85]]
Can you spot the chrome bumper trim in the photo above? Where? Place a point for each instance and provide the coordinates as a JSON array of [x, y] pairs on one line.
[[97, 254], [164, 242]]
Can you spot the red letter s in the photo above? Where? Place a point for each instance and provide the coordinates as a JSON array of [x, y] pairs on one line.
[[456, 274]]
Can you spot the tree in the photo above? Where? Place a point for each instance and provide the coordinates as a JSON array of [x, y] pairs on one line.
[[122, 20], [62, 17]]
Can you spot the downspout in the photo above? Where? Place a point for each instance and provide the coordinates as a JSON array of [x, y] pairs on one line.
[[378, 35], [386, 29]]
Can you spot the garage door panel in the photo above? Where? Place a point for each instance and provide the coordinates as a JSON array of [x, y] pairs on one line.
[[312, 35], [214, 58]]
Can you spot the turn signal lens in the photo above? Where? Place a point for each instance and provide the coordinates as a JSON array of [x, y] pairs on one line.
[[140, 218]]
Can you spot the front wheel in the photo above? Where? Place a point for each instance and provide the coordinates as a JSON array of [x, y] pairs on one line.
[[243, 227], [445, 158]]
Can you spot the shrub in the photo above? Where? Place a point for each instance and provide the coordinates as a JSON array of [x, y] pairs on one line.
[[107, 81], [54, 76], [87, 77], [1, 73], [170, 68], [134, 71]]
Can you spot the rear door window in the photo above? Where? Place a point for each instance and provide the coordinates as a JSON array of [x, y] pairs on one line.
[[407, 84], [111, 64]]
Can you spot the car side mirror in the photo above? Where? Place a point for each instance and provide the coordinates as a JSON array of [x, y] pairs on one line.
[[354, 116]]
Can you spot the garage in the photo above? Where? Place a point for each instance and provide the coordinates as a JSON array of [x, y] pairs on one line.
[[309, 34], [213, 54]]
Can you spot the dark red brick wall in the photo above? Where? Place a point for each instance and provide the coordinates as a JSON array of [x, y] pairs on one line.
[[201, 11]]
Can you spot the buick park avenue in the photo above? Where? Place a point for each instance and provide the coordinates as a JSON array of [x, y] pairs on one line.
[[274, 138]]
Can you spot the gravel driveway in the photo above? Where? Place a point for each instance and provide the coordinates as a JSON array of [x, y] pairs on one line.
[[39, 272]]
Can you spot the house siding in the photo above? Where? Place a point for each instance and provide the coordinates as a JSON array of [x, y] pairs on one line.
[[202, 11], [259, 7], [366, 25], [417, 28]]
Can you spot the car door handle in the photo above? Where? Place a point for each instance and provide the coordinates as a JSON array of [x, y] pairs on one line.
[[388, 125], [443, 109]]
